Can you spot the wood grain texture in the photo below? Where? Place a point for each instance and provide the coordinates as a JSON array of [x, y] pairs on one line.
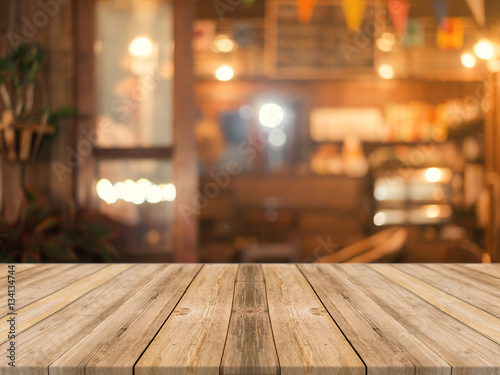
[[192, 340], [43, 343], [250, 272], [307, 339], [250, 346], [489, 269], [473, 317], [475, 288], [385, 346], [43, 308], [113, 346], [270, 319], [466, 350], [37, 283]]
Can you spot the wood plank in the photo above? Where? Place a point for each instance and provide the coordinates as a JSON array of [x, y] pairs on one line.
[[307, 339], [20, 267], [27, 272], [84, 21], [250, 345], [385, 345], [192, 340], [489, 269], [250, 272], [38, 283], [185, 156], [466, 350], [113, 346], [475, 288], [47, 306], [477, 319], [40, 345]]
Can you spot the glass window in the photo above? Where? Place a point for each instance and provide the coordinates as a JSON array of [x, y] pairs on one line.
[[134, 67], [139, 195]]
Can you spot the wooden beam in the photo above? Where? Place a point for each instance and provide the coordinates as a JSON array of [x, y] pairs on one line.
[[84, 26], [133, 153], [185, 159]]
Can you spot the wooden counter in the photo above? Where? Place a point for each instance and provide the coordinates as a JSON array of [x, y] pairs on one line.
[[253, 319]]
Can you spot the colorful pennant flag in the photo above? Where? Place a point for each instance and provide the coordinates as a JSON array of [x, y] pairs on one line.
[[305, 10], [477, 10], [399, 11], [451, 34], [440, 10], [414, 33], [353, 12]]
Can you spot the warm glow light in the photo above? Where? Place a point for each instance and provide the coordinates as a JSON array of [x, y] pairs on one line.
[[381, 193], [154, 194], [141, 47], [224, 73], [119, 189], [277, 138], [484, 49], [128, 190], [223, 43], [433, 211], [386, 71], [143, 183], [433, 175], [271, 115], [136, 192], [386, 42], [106, 191], [169, 192], [379, 219], [468, 60]]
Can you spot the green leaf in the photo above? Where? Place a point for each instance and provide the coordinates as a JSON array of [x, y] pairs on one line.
[[35, 213], [30, 257], [95, 230], [59, 248], [47, 224], [85, 244], [5, 258], [61, 113], [109, 253]]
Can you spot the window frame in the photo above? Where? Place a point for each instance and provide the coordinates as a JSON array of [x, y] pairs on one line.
[[184, 158]]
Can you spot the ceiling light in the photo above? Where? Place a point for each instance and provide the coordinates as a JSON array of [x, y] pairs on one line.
[[224, 73], [386, 71], [141, 47], [271, 115], [468, 60], [484, 49]]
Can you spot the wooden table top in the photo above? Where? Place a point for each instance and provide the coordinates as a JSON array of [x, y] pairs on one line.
[[252, 319]]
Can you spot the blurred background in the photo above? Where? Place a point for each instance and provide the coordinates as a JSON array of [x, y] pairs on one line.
[[256, 131]]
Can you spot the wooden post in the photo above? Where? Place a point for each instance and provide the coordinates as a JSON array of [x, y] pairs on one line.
[[185, 158], [492, 136], [84, 20]]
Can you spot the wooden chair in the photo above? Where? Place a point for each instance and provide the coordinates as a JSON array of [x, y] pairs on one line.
[[384, 246]]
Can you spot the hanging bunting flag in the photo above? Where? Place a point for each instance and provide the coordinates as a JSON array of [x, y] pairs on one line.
[[451, 34], [440, 10], [305, 10], [353, 12], [477, 10], [399, 10], [414, 33]]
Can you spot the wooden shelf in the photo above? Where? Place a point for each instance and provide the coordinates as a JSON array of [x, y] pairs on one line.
[[465, 129]]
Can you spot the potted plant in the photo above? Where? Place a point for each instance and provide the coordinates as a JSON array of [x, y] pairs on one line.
[[21, 132], [43, 233]]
